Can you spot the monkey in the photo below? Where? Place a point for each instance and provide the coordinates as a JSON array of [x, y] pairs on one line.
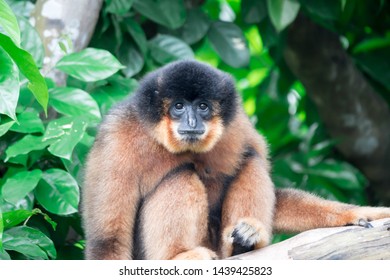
[[177, 171]]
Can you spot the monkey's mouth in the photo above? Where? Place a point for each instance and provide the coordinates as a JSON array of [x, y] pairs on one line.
[[191, 136]]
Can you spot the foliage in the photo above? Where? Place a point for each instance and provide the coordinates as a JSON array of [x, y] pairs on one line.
[[45, 137]]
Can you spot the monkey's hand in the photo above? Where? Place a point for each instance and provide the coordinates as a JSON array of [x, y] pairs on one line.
[[248, 234]]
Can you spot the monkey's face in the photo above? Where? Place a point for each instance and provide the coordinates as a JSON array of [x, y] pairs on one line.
[[188, 105], [190, 125]]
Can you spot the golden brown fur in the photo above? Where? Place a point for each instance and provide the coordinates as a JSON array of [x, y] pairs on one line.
[[150, 195]]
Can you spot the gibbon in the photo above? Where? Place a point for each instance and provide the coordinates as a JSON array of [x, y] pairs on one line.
[[178, 172]]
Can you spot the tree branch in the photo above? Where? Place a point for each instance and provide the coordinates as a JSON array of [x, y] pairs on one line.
[[350, 242], [59, 20]]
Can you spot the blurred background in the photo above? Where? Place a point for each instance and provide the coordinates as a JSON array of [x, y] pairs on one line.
[[314, 76]]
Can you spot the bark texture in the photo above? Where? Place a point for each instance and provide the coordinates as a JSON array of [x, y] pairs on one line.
[[353, 112], [63, 20]]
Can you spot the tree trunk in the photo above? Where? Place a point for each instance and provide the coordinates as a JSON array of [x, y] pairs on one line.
[[62, 20], [346, 243], [351, 109]]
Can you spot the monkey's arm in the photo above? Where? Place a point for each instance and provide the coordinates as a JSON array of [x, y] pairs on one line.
[[298, 211], [110, 200], [247, 211]]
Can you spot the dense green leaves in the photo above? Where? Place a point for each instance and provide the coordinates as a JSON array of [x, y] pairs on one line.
[[58, 192], [89, 65], [230, 43]]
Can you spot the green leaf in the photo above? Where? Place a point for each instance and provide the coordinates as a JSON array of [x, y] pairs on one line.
[[30, 41], [137, 33], [9, 23], [9, 85], [58, 192], [74, 102], [282, 12], [29, 122], [76, 165], [119, 7], [253, 11], [29, 242], [89, 65], [5, 126], [73, 133], [324, 9], [230, 43], [371, 44], [165, 49], [20, 184], [26, 65], [376, 64], [170, 13], [4, 255], [195, 27], [14, 218], [25, 145], [1, 233], [131, 58]]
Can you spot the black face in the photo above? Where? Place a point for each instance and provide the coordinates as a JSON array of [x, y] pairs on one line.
[[191, 117]]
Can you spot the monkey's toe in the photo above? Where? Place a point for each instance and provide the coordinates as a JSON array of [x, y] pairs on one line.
[[364, 223]]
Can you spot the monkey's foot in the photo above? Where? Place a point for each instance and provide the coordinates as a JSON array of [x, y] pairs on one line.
[[199, 253], [362, 216], [248, 234]]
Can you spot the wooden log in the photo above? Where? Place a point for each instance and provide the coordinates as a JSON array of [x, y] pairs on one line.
[[349, 242]]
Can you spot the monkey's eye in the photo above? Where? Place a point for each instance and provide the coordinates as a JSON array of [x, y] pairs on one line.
[[179, 106], [203, 106]]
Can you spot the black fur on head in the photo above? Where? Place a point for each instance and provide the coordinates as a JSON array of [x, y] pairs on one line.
[[187, 80]]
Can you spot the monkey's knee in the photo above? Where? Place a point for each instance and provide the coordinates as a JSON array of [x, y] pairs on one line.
[[106, 249]]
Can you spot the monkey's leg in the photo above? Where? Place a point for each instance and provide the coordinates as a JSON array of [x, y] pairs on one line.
[[298, 211], [247, 211], [173, 220]]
